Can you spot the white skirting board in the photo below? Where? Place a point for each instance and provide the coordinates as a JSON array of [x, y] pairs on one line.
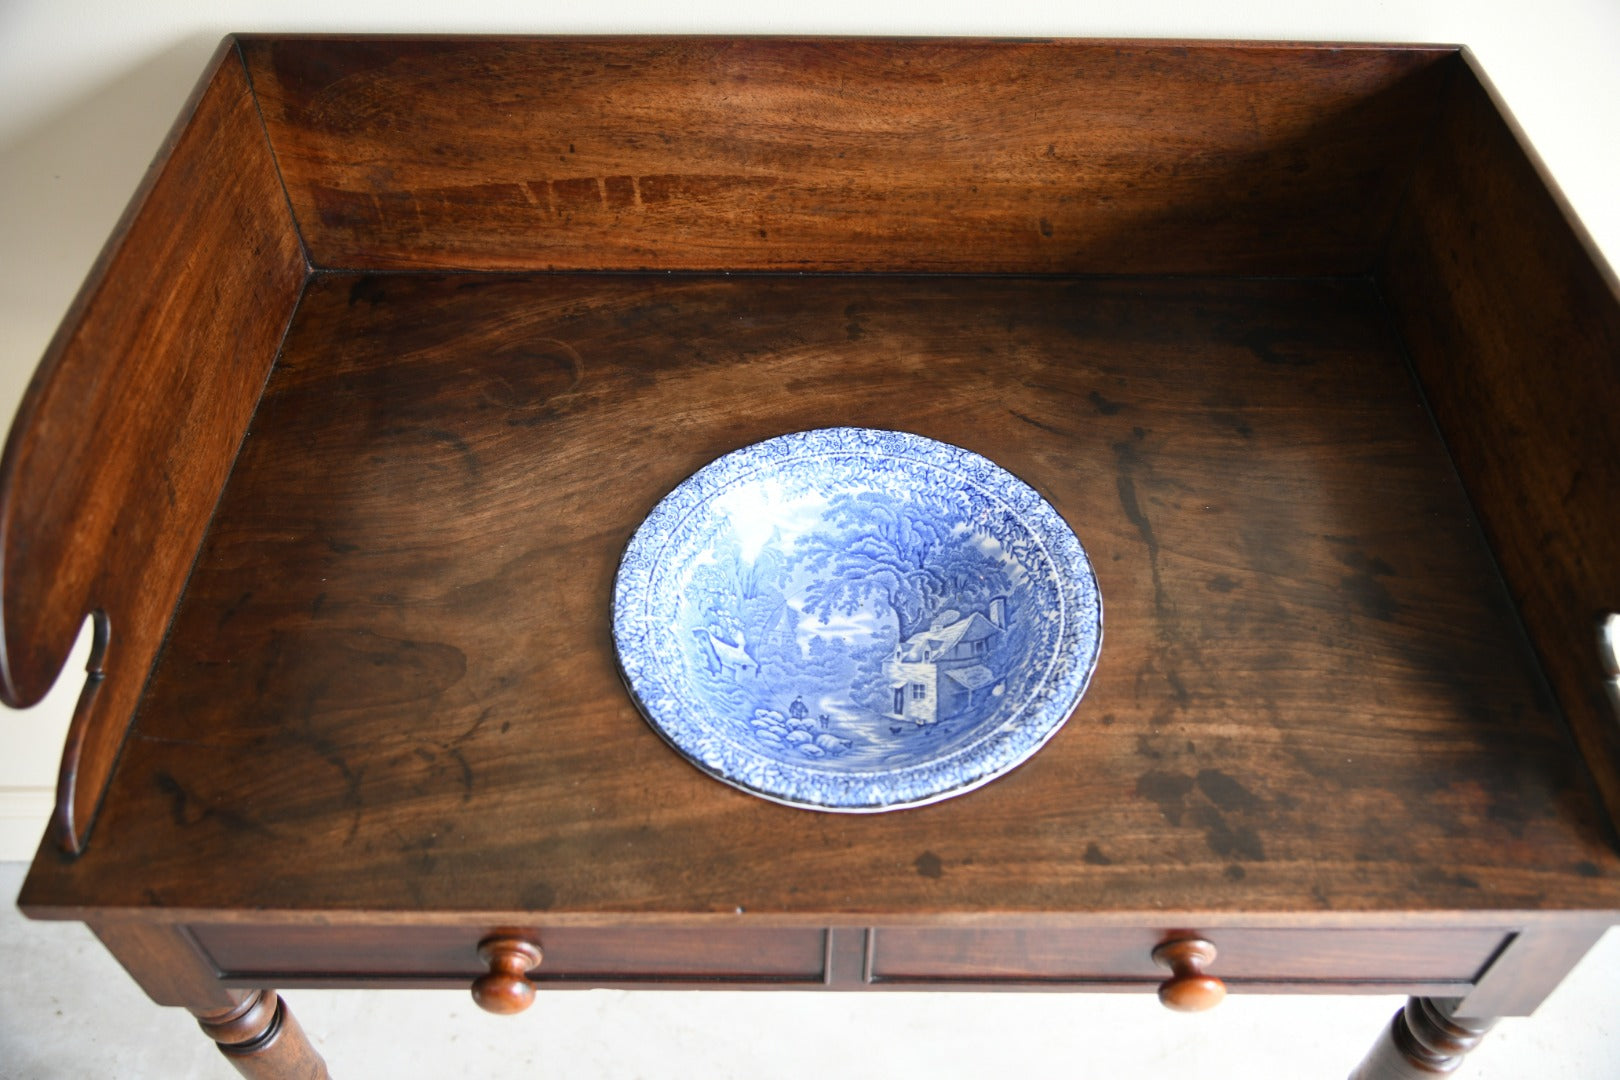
[[24, 812], [31, 753]]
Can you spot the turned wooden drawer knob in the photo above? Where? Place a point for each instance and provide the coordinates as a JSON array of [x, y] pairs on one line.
[[1188, 989], [506, 989]]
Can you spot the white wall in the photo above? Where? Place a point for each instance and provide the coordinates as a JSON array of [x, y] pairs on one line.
[[88, 89]]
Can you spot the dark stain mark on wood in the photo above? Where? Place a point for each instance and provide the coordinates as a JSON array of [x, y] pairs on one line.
[[1130, 463], [1178, 689], [1369, 595], [1226, 792], [339, 209], [369, 289], [1220, 583], [169, 493], [1226, 840], [1095, 857], [1221, 795], [352, 777], [929, 865], [1263, 343], [1169, 790], [1362, 563], [538, 897], [1232, 422], [1587, 868], [233, 608], [469, 460], [1046, 227], [853, 330], [359, 668], [1434, 876], [418, 852], [1507, 810], [187, 811], [1103, 406], [1235, 872], [466, 773], [1034, 423]]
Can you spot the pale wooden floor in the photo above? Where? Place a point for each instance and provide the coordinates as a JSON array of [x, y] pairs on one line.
[[68, 1012]]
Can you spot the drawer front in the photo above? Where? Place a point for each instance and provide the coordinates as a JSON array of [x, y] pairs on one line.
[[1125, 954], [848, 959], [596, 955]]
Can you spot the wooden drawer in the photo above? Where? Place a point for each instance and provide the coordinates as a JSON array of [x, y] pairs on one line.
[[593, 955], [1114, 954], [1086, 957]]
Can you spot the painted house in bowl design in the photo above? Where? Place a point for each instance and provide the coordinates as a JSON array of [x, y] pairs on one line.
[[946, 669]]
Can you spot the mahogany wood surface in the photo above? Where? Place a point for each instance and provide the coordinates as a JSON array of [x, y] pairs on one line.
[[505, 988], [1383, 955], [390, 686], [1513, 322], [889, 954], [1424, 1040], [386, 723], [777, 953], [1531, 967], [125, 435], [769, 154], [167, 962], [262, 1039], [1190, 987]]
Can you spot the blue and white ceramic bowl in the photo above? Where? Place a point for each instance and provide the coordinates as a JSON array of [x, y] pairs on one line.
[[855, 620]]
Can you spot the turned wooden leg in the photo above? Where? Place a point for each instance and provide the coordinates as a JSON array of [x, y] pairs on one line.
[[1423, 1041], [262, 1039]]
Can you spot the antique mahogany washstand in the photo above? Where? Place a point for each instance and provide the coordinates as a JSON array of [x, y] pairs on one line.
[[402, 338]]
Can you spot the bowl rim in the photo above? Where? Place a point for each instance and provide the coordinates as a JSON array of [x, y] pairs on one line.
[[1002, 748]]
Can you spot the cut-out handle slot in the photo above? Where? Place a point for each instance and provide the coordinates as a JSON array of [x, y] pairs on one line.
[[1609, 652], [69, 835]]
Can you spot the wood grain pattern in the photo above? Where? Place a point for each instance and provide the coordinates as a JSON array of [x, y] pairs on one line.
[[669, 954], [765, 154], [390, 686], [263, 1040], [167, 962], [1531, 967], [1411, 955], [387, 723], [913, 956], [124, 437], [1513, 321], [1423, 1041]]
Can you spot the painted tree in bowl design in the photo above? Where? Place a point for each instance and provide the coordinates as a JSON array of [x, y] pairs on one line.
[[795, 645], [913, 557], [874, 546], [759, 614]]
